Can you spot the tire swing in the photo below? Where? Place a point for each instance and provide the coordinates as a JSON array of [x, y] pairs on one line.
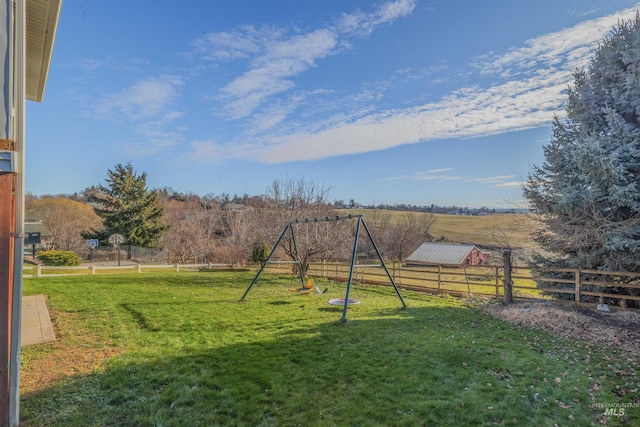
[[340, 301]]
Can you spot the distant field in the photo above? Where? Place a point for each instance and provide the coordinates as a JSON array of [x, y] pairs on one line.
[[487, 230]]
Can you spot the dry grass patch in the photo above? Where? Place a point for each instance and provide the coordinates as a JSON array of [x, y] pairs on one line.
[[66, 357], [618, 329]]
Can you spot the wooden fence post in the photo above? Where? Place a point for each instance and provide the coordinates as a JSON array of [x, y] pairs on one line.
[[577, 277], [497, 277], [439, 275], [393, 271], [508, 283]]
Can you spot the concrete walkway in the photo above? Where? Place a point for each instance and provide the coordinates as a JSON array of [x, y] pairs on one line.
[[36, 323]]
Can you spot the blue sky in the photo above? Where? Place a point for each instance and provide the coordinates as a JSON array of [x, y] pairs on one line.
[[400, 101]]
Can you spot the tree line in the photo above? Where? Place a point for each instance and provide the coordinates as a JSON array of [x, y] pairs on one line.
[[218, 229]]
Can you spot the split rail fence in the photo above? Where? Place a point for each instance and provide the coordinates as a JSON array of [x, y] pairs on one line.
[[579, 286]]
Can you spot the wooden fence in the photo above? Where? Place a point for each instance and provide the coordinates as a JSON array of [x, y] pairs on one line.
[[591, 284], [486, 280], [478, 280], [586, 286], [48, 271]]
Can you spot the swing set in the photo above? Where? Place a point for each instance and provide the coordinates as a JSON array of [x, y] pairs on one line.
[[308, 287]]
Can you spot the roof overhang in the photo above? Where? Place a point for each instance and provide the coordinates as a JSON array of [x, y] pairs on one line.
[[42, 23]]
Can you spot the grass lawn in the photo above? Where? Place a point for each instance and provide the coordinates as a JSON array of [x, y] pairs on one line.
[[177, 349]]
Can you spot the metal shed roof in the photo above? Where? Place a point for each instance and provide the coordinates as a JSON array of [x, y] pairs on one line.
[[440, 253]]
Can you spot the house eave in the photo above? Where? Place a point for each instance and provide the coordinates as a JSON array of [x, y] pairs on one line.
[[42, 17]]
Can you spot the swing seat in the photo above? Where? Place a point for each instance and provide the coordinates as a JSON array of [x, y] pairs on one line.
[[305, 289]]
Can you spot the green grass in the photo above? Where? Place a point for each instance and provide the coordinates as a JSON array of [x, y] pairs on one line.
[[188, 354]]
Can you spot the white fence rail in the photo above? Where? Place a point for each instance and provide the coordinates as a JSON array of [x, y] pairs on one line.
[[49, 271]]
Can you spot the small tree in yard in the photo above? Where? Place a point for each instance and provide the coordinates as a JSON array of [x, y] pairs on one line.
[[127, 207], [587, 192], [260, 252]]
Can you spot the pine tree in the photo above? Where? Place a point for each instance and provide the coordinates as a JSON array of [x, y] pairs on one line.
[[588, 190], [128, 208]]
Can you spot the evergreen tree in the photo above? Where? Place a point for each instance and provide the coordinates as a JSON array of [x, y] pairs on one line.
[[260, 251], [588, 190], [127, 207]]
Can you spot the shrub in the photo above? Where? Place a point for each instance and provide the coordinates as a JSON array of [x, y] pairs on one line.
[[260, 252], [54, 257]]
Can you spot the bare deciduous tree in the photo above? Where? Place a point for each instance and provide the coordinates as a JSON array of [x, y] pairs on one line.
[[228, 255], [403, 237], [66, 219], [195, 225], [239, 232], [291, 199]]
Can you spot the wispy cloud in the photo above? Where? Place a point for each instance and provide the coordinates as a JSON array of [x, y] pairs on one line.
[[469, 112], [244, 42], [534, 79], [148, 105], [155, 135], [92, 65], [145, 99], [363, 24], [270, 73], [442, 175], [564, 50], [491, 179], [502, 181], [437, 175], [510, 184], [275, 57]]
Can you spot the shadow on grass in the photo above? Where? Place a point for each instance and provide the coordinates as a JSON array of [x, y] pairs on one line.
[[139, 317], [421, 366], [280, 303]]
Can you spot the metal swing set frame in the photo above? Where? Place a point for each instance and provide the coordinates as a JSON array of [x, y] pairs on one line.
[[361, 223]]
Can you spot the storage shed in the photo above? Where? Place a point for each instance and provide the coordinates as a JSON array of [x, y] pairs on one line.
[[449, 254]]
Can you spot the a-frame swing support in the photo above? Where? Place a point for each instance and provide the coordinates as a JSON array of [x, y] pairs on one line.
[[289, 228]]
